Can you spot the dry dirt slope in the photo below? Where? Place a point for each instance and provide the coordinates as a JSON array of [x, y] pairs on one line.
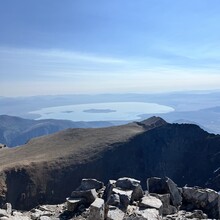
[[47, 169]]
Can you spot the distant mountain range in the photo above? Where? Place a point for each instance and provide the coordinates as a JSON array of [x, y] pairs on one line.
[[16, 131], [48, 168]]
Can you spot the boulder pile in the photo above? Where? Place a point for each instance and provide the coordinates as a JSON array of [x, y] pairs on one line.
[[125, 199]]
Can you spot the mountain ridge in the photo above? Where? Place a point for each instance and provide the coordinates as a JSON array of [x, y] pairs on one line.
[[47, 168], [16, 131]]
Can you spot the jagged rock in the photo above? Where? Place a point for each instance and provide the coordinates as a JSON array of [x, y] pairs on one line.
[[175, 194], [87, 184], [151, 202], [124, 201], [97, 210], [108, 189], [115, 213], [165, 186], [113, 200], [126, 183], [157, 185], [124, 195], [88, 195], [167, 208], [137, 193], [205, 199]]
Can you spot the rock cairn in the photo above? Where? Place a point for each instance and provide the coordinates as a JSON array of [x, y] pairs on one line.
[[124, 199]]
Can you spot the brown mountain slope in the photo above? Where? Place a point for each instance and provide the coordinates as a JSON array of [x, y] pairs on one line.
[[28, 172], [47, 169], [81, 143]]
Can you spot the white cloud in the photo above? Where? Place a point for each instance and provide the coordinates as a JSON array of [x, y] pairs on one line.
[[54, 54], [35, 72]]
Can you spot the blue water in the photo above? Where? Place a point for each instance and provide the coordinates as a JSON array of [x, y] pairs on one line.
[[102, 111]]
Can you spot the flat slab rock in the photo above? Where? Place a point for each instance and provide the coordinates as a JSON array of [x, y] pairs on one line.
[[150, 202]]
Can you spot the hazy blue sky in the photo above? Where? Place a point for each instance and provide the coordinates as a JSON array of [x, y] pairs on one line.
[[108, 46]]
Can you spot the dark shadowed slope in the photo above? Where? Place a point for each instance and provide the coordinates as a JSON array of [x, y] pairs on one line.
[[47, 169]]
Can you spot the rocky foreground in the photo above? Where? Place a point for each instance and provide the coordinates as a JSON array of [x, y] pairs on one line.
[[124, 199]]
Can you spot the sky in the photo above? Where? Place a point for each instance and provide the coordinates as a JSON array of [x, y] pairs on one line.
[[50, 47]]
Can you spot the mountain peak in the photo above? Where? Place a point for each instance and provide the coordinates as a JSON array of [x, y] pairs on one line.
[[153, 122]]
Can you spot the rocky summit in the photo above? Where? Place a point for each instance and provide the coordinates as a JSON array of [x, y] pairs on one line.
[[48, 168], [124, 199]]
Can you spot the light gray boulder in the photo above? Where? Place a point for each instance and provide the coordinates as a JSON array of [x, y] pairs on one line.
[[3, 213], [151, 202], [97, 210], [115, 213], [149, 214]]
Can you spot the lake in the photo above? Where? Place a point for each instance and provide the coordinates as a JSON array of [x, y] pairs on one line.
[[111, 111]]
